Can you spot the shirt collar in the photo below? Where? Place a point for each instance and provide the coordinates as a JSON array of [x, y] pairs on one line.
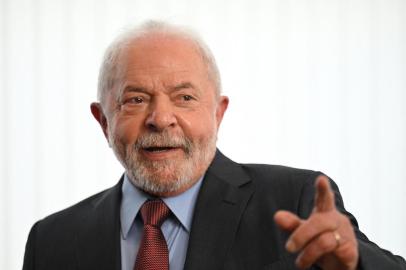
[[182, 205]]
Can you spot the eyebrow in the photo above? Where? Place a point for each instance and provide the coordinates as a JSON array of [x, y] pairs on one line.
[[178, 87], [135, 89], [183, 85]]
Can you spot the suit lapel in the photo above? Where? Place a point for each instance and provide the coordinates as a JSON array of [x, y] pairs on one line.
[[222, 199], [223, 196], [98, 241]]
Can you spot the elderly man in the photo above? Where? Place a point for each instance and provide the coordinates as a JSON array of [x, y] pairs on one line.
[[181, 204]]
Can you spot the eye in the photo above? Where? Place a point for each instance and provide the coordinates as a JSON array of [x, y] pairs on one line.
[[187, 97], [135, 100]]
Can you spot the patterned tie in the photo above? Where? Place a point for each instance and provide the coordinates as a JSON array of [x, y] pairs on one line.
[[153, 251]]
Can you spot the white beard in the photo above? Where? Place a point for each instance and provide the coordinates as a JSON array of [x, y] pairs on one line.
[[170, 175]]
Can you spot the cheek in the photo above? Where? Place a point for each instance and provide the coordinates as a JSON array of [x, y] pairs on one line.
[[198, 124], [126, 130]]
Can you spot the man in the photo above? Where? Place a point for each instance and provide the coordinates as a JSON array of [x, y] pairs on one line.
[[160, 108]]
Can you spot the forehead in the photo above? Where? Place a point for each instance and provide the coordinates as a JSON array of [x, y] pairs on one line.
[[160, 53]]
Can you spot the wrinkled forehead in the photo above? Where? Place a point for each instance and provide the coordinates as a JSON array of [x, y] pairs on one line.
[[162, 51], [141, 58]]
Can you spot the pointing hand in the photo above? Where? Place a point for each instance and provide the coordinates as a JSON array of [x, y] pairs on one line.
[[326, 238]]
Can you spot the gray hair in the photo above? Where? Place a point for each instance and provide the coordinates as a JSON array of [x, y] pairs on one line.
[[110, 70]]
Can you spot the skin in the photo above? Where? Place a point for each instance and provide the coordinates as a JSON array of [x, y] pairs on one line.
[[165, 88], [314, 240]]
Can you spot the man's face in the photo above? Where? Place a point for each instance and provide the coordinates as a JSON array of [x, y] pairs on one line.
[[162, 120]]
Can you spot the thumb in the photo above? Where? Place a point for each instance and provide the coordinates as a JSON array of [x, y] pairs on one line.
[[286, 220]]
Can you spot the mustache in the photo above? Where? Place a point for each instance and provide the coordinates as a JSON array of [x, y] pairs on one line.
[[163, 139]]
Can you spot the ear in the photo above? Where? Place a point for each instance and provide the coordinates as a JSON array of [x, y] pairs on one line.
[[98, 114], [221, 109]]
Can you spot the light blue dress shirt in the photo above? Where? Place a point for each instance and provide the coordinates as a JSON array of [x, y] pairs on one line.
[[176, 229]]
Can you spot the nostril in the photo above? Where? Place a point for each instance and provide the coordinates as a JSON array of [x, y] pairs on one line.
[[160, 120], [152, 127]]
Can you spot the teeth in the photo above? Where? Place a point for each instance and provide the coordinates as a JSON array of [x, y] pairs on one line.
[[158, 150]]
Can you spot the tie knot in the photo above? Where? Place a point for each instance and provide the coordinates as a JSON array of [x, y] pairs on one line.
[[154, 212]]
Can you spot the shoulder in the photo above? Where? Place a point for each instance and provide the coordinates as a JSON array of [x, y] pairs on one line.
[[278, 172], [260, 174], [73, 216], [282, 187], [280, 177], [54, 240]]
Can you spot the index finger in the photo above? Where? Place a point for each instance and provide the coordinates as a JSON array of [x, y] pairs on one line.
[[324, 199]]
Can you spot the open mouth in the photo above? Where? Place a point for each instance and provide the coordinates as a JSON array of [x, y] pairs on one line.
[[156, 149]]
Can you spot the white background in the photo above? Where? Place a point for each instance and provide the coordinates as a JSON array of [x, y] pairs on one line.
[[313, 84]]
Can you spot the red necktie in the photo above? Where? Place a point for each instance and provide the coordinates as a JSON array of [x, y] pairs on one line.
[[153, 252]]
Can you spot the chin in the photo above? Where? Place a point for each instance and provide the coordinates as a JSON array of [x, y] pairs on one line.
[[161, 184], [169, 176]]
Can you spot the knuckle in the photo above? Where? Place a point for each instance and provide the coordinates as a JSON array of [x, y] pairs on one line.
[[303, 234], [316, 217], [326, 242], [318, 247], [346, 220]]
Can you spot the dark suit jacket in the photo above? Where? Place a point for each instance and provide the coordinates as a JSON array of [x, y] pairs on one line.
[[232, 229]]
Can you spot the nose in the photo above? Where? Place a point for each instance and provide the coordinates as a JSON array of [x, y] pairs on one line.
[[161, 116]]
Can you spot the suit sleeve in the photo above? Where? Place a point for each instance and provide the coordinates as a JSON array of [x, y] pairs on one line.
[[29, 256], [371, 256]]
